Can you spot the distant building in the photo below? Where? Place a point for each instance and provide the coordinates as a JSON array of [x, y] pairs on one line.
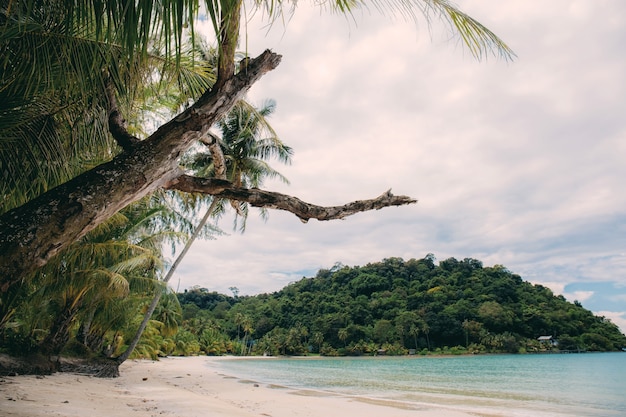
[[548, 340]]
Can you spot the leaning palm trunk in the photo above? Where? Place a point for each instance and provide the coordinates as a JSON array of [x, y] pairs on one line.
[[157, 295]]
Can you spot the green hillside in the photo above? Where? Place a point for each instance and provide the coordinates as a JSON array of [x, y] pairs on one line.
[[395, 306]]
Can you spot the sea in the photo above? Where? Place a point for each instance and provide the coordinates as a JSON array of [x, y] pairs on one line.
[[538, 385]]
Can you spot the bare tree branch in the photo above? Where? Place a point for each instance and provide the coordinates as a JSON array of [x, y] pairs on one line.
[[268, 199]]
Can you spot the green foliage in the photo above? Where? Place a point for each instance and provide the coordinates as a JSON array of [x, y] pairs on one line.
[[395, 305], [389, 307], [91, 290], [58, 57]]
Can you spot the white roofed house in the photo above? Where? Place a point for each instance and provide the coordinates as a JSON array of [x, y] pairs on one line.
[[548, 340]]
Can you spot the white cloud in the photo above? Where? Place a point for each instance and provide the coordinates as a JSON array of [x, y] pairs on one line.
[[580, 296], [618, 298]]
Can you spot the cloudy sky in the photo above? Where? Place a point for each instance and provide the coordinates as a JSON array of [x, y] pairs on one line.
[[517, 163]]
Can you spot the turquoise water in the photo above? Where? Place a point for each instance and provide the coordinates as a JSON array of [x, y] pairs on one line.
[[551, 385]]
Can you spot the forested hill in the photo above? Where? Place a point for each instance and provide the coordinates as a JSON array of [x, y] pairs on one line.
[[397, 305]]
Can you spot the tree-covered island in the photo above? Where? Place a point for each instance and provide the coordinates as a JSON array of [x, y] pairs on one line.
[[392, 307], [397, 307]]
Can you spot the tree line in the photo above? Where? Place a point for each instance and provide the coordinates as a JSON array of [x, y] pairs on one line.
[[396, 307], [391, 307]]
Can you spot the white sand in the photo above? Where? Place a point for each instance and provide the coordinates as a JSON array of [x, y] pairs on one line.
[[183, 387]]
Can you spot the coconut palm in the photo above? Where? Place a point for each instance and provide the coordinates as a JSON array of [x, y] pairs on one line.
[[240, 156], [90, 282], [59, 112], [49, 118], [318, 339], [247, 142], [342, 334], [100, 267]]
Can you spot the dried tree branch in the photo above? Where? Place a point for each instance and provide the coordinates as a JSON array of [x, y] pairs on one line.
[[268, 199]]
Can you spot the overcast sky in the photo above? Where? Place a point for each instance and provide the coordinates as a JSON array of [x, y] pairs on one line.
[[517, 163]]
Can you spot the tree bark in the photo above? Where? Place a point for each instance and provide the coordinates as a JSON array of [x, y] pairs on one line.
[[230, 21], [268, 199]]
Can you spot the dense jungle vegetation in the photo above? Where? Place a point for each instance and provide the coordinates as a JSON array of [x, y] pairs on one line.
[[395, 306], [391, 307]]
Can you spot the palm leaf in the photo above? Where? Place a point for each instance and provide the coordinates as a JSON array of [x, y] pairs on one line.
[[479, 40]]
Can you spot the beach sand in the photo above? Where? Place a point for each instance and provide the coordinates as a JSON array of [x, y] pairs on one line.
[[184, 387]]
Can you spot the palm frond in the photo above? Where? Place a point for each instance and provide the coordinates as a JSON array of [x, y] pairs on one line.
[[115, 284], [479, 40], [53, 106]]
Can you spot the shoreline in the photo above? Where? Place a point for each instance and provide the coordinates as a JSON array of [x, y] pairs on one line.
[[186, 387]]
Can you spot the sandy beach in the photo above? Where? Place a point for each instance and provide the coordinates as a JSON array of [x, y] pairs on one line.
[[183, 387]]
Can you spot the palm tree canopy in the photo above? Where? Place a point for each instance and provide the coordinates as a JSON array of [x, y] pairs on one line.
[[58, 58], [247, 141]]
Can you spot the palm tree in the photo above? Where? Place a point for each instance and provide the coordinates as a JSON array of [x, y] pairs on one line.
[[414, 331], [343, 335], [426, 330], [109, 79], [246, 326], [244, 164], [247, 141], [159, 290], [60, 112], [120, 255], [89, 57], [168, 314], [99, 269], [318, 339]]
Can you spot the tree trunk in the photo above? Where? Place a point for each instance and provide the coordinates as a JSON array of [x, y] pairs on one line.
[[31, 234], [157, 295], [144, 323], [230, 21], [84, 329]]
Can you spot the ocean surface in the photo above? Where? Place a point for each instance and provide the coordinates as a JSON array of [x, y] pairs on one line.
[[538, 385]]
